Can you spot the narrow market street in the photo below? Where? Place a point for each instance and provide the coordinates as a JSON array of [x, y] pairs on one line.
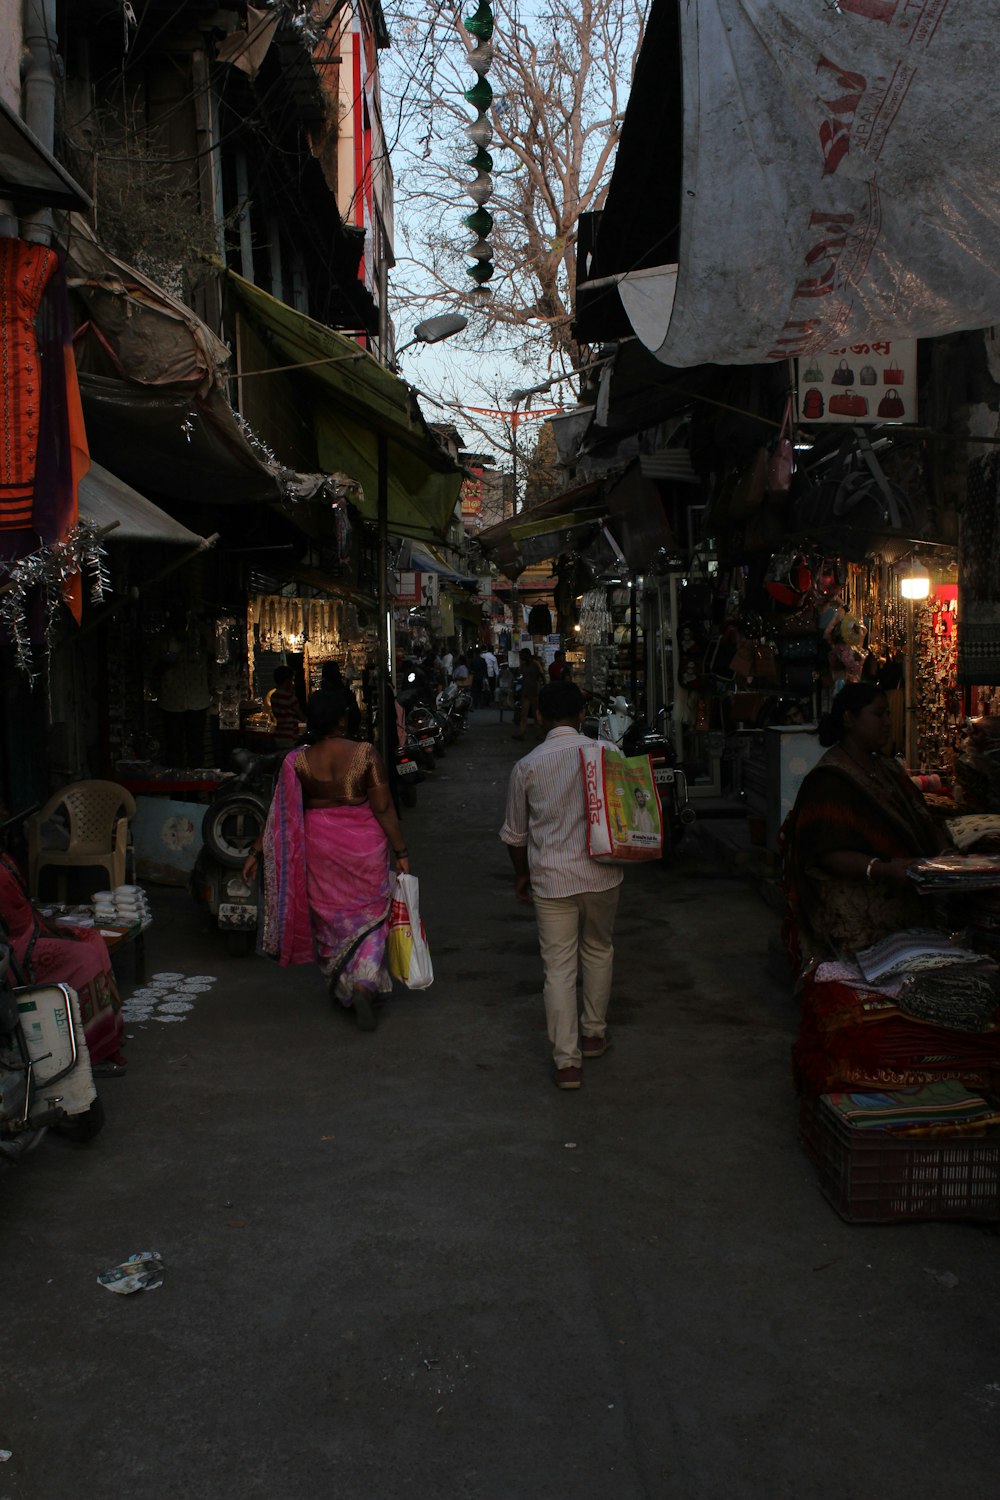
[[404, 1265]]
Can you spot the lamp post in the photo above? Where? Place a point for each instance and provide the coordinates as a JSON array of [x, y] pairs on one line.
[[430, 331], [914, 585]]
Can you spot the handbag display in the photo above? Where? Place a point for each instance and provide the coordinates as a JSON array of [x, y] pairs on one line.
[[812, 406], [753, 661], [624, 821], [843, 374], [407, 955], [867, 375], [892, 375], [891, 406], [781, 464], [849, 405], [750, 488], [813, 376]]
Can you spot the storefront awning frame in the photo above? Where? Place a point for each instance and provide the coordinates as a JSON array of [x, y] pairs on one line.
[[364, 411]]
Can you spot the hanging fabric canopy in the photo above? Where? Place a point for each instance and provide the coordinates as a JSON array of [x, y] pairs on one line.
[[356, 401], [839, 180]]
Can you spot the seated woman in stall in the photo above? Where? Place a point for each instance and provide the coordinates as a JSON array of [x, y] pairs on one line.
[[858, 823], [50, 953]]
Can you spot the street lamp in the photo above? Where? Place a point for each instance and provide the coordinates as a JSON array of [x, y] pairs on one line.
[[433, 330], [429, 331]]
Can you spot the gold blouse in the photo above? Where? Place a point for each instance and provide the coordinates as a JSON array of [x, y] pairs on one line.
[[350, 787]]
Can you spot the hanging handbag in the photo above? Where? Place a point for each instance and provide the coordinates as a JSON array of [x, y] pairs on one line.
[[813, 376], [781, 464], [750, 487], [891, 406], [812, 406], [867, 375], [892, 375], [843, 374], [848, 405]]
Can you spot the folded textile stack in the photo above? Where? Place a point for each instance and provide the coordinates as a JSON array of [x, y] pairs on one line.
[[969, 829], [857, 1039], [910, 1010], [923, 1109], [956, 873], [913, 950]]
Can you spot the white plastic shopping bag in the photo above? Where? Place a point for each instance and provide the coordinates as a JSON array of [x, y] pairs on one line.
[[624, 819], [407, 954]]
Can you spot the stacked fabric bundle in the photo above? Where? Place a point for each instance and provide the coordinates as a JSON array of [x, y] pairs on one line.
[[955, 874], [928, 1109], [913, 1010]]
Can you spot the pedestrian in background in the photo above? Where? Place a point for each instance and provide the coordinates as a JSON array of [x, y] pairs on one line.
[[478, 669], [492, 673], [532, 682], [575, 897], [285, 708]]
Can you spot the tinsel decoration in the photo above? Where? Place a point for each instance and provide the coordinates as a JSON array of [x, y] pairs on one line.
[[595, 618], [49, 569], [480, 189]]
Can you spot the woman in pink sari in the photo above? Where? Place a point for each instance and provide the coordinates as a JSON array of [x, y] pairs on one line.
[[326, 848]]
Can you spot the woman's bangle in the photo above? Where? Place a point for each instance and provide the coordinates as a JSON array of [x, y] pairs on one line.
[[875, 860], [400, 853]]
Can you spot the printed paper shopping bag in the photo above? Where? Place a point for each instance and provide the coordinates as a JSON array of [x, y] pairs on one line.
[[407, 955], [624, 819]]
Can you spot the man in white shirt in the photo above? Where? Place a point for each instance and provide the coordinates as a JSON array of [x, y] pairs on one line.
[[575, 897], [492, 673]]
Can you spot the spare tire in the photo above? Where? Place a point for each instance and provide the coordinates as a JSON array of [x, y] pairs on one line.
[[231, 825]]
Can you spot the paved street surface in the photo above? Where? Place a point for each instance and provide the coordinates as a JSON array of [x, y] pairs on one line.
[[404, 1265]]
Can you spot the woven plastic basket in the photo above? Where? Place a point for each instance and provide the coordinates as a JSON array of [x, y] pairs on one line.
[[872, 1177]]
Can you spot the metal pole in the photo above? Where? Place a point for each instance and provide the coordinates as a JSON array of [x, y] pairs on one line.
[[633, 644], [909, 689], [382, 594]]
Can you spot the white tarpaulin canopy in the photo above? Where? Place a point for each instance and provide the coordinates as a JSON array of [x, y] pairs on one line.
[[840, 179]]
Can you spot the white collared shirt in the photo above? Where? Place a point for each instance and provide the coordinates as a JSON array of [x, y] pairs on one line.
[[547, 814]]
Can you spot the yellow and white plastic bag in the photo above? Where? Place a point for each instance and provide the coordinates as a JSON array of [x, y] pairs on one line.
[[407, 955]]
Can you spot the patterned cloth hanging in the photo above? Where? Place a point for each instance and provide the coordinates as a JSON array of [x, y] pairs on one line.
[[24, 272], [979, 575]]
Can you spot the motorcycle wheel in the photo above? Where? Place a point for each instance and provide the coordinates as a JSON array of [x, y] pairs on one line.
[[82, 1128], [408, 795], [231, 826]]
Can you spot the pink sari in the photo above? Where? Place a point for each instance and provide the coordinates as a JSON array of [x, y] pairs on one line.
[[326, 889]]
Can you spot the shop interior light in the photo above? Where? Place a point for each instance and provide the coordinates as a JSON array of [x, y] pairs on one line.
[[915, 582]]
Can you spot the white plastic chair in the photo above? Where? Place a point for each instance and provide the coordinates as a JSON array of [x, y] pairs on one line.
[[99, 813]]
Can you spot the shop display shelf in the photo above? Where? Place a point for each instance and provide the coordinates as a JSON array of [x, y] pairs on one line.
[[874, 1177]]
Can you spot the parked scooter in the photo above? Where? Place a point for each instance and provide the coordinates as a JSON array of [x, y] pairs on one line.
[[45, 1073], [233, 821]]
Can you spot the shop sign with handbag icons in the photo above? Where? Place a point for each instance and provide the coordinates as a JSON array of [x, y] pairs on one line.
[[864, 382]]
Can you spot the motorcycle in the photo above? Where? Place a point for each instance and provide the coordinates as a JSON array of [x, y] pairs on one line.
[[233, 821], [45, 1074], [633, 735], [408, 770], [453, 705], [418, 696]]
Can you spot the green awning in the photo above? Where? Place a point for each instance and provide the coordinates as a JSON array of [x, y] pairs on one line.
[[357, 400]]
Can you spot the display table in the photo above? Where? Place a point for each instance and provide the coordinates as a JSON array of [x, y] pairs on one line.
[[171, 783]]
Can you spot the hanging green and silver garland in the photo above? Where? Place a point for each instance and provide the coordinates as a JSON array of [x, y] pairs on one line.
[[480, 189], [51, 568]]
